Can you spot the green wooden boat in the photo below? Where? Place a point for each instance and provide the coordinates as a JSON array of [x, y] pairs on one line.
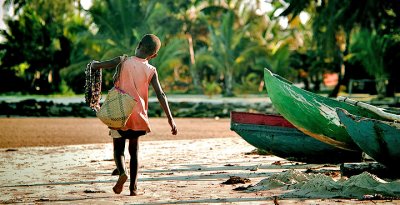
[[279, 137], [379, 139], [311, 113]]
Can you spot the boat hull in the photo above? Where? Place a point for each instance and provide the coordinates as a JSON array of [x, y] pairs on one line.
[[379, 139], [311, 113], [276, 135]]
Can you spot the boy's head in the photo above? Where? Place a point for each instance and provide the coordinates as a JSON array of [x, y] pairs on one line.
[[148, 46]]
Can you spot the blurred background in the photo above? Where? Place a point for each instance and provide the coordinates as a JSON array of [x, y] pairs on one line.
[[217, 47]]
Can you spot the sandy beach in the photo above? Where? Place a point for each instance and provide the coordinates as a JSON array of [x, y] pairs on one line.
[[69, 161], [27, 132]]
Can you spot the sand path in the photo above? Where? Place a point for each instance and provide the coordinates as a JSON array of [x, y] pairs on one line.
[[21, 132], [69, 161]]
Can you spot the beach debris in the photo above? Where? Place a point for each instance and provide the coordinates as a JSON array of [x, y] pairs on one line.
[[229, 165], [88, 191], [242, 188], [236, 180], [330, 173], [252, 152], [222, 172], [258, 152], [11, 150], [279, 163], [372, 197], [168, 173], [254, 168], [379, 197], [43, 199]]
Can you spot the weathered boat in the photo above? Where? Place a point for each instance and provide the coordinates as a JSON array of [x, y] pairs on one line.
[[275, 134], [311, 113], [379, 139]]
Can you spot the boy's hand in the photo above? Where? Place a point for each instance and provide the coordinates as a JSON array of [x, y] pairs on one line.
[[174, 130]]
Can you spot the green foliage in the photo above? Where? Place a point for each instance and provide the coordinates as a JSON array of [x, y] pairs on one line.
[[35, 47], [211, 88], [334, 22], [20, 69], [206, 45], [115, 22], [369, 48], [84, 49], [250, 83], [170, 57], [65, 89], [229, 51]]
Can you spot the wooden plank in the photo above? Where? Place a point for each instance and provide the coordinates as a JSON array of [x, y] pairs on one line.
[[260, 119]]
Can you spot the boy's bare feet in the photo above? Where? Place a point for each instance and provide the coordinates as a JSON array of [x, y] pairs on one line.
[[120, 184], [133, 193]]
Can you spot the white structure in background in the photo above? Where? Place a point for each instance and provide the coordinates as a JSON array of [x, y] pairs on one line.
[[86, 4]]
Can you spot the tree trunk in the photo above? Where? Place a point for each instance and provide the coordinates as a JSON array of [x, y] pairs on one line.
[[54, 79], [342, 72], [336, 90], [380, 83], [192, 67], [228, 84]]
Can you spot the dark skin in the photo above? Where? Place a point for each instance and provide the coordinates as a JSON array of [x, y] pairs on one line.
[[119, 143]]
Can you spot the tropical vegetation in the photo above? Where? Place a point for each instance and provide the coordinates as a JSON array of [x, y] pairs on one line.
[[209, 47]]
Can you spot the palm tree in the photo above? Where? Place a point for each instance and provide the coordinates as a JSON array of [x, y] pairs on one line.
[[228, 50], [334, 21], [120, 25], [369, 48], [35, 40], [169, 61], [192, 27]]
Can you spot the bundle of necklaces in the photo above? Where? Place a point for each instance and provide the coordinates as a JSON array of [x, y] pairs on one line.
[[93, 87]]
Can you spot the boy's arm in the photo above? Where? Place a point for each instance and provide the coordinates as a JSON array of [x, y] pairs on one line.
[[162, 98], [112, 63]]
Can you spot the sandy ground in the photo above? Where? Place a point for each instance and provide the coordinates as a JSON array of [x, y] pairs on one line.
[[69, 161], [21, 132]]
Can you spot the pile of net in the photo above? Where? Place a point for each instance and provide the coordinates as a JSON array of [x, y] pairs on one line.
[[301, 185]]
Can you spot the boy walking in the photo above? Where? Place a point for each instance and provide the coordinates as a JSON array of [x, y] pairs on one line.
[[136, 75]]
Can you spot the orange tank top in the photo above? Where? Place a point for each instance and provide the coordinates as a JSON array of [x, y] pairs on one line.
[[134, 79]]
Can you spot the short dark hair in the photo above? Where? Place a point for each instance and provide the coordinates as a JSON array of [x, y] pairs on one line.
[[149, 44]]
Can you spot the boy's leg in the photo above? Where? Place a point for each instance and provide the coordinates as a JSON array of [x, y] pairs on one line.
[[119, 158], [115, 172], [134, 164]]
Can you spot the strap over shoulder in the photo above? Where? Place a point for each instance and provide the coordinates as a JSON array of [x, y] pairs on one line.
[[118, 68]]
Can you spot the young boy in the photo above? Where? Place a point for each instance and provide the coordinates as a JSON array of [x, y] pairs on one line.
[[135, 77]]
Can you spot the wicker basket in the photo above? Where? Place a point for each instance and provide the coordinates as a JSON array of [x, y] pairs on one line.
[[116, 109]]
